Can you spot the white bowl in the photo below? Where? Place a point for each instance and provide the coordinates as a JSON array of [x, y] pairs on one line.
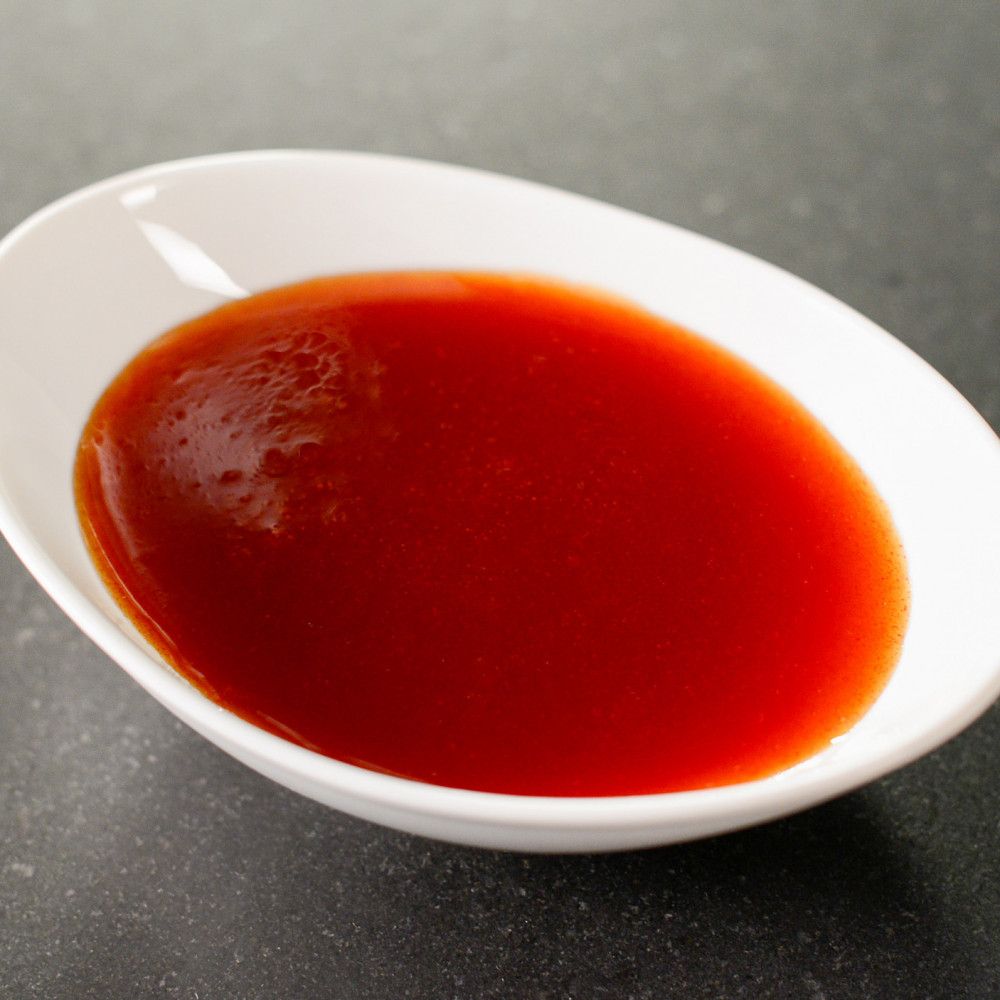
[[85, 283]]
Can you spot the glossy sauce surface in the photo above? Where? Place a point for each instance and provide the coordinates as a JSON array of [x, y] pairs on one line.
[[493, 533]]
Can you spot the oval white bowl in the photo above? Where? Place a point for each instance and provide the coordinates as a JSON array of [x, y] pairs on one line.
[[85, 283]]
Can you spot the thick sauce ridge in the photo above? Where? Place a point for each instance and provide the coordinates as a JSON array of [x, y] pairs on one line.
[[493, 533]]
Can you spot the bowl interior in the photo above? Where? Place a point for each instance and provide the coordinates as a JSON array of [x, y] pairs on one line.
[[87, 282]]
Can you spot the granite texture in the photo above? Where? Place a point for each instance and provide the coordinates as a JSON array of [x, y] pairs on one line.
[[857, 144]]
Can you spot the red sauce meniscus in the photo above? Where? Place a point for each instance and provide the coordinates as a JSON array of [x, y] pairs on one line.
[[493, 533]]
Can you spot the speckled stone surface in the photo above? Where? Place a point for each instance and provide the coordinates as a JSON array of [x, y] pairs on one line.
[[857, 144]]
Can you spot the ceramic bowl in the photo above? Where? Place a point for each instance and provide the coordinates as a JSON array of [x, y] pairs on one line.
[[85, 283]]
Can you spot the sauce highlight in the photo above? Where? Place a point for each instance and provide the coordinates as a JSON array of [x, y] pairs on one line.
[[493, 533]]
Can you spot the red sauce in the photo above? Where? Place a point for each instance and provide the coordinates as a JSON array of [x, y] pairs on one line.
[[493, 533]]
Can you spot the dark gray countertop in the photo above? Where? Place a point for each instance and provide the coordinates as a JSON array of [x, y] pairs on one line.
[[856, 144]]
